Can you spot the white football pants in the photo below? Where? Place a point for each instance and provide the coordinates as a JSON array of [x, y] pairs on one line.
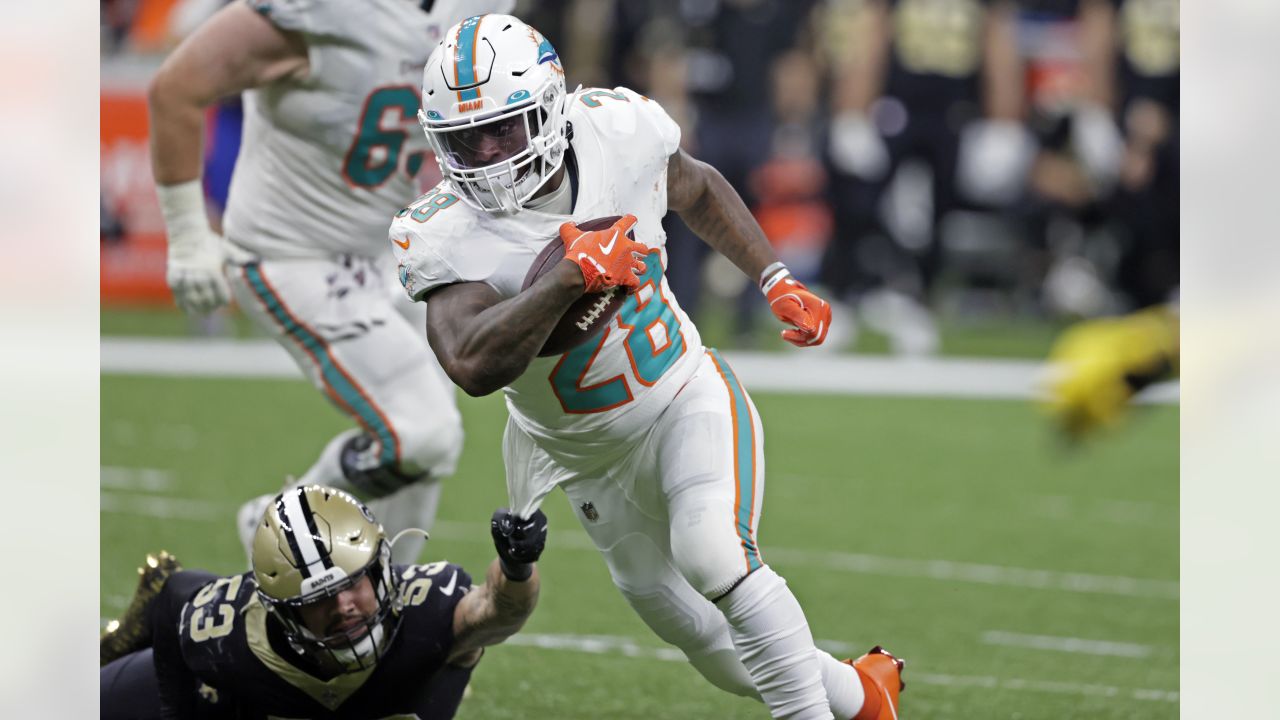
[[347, 324]]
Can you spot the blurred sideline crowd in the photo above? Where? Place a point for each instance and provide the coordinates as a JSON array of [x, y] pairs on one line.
[[916, 159]]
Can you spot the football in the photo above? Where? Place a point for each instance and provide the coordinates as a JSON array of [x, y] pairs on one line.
[[587, 316]]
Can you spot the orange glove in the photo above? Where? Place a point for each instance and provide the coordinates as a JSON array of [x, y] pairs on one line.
[[794, 305], [607, 258]]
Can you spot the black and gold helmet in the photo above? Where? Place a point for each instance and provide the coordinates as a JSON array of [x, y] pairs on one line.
[[314, 542]]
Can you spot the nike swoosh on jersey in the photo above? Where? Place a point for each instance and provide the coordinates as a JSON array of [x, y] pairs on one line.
[[606, 249], [453, 582], [404, 244]]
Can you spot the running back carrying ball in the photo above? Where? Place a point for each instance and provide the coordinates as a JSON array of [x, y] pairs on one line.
[[590, 313]]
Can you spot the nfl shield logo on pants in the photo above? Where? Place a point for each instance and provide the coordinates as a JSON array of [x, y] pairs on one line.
[[589, 510]]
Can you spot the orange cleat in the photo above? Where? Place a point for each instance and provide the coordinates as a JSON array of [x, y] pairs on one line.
[[881, 676]]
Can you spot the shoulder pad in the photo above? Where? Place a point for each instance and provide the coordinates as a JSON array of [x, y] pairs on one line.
[[625, 113], [433, 243], [304, 16]]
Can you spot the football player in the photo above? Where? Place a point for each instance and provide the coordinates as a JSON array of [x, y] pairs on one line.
[[328, 155], [324, 626], [650, 435], [1097, 366]]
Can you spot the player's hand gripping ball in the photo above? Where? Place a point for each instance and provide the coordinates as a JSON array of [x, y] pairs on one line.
[[608, 256], [593, 311]]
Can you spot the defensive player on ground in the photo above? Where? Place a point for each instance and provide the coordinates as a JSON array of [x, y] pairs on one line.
[[651, 436], [325, 626], [328, 155]]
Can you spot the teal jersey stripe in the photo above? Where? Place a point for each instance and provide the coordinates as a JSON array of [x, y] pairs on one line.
[[464, 55], [744, 450], [337, 380]]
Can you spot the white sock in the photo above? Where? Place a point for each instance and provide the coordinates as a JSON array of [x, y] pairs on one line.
[[774, 643], [843, 686], [327, 469], [413, 506]]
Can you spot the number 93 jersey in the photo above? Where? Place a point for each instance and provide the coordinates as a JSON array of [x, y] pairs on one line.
[[326, 158], [613, 386], [230, 660]]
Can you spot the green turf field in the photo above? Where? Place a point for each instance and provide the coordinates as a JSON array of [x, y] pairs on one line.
[[1019, 579]]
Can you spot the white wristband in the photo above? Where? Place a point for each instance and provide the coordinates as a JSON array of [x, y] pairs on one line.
[[182, 206], [772, 275]]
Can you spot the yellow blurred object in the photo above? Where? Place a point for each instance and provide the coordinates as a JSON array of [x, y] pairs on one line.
[[1097, 366]]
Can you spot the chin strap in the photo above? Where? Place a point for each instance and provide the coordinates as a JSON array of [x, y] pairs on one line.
[[425, 535]]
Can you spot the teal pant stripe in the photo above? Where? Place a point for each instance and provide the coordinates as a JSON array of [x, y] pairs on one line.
[[745, 452], [318, 349]]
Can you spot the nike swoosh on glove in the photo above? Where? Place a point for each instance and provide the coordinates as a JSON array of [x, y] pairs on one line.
[[608, 258], [808, 314]]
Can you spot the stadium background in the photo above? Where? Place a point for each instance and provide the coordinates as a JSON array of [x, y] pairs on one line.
[[919, 502]]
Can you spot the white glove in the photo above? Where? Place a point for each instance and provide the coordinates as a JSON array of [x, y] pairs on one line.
[[857, 148], [1098, 144], [995, 157], [194, 271]]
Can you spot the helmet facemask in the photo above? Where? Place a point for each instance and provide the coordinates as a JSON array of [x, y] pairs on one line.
[[352, 649], [528, 139]]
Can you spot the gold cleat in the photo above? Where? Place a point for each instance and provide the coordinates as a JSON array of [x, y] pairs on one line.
[[132, 632]]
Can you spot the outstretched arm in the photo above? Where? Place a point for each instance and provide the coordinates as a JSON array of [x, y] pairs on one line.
[[713, 210], [498, 609], [710, 206]]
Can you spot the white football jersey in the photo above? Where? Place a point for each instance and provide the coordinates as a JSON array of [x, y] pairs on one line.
[[616, 384], [325, 160]]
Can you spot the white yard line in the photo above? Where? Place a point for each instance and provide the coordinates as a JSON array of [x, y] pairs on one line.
[[629, 647], [951, 571], [1067, 644], [127, 478], [169, 508], [765, 372], [573, 539]]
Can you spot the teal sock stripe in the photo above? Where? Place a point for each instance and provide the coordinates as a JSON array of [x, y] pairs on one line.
[[332, 375], [744, 450]]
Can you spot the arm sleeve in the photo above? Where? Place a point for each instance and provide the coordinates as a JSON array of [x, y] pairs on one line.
[[301, 16]]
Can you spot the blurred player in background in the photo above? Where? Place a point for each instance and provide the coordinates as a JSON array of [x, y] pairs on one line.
[[328, 155], [1097, 367], [1130, 49], [651, 436], [938, 81], [1125, 140], [324, 626]]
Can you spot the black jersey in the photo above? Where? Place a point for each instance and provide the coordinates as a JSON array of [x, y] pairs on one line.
[[220, 656], [936, 52], [1148, 33]]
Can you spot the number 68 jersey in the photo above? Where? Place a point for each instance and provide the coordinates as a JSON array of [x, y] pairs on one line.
[[326, 157], [615, 385]]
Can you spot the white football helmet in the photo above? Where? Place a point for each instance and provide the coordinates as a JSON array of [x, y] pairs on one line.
[[493, 99]]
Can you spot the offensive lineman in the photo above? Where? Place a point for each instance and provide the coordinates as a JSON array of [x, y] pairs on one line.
[[327, 157], [652, 438], [324, 626]]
